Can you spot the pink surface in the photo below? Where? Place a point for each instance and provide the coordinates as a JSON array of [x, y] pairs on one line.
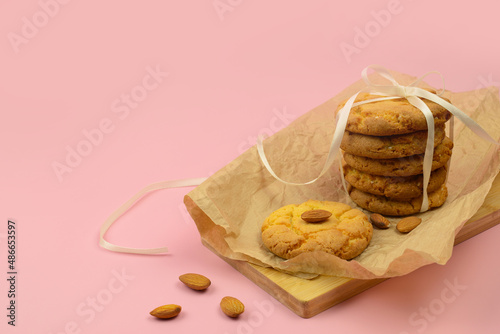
[[155, 90]]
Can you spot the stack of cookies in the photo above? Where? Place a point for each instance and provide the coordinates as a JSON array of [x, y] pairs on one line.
[[383, 151]]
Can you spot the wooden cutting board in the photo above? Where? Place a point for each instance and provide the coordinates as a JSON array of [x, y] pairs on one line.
[[309, 297]]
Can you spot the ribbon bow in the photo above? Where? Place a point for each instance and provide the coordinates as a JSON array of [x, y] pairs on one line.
[[414, 96]]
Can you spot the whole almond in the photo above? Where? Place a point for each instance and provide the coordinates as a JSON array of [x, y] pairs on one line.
[[407, 224], [166, 311], [315, 216], [231, 306], [195, 281], [379, 221]]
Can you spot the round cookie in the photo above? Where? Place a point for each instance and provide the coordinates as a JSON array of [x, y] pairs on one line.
[[388, 147], [345, 234], [400, 188], [391, 117], [412, 165], [386, 206]]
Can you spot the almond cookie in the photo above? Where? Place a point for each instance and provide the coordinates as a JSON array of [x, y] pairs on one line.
[[399, 188], [388, 147], [412, 165], [391, 117], [346, 233], [386, 206]]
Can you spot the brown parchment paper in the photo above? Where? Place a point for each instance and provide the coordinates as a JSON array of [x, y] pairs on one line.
[[230, 206]]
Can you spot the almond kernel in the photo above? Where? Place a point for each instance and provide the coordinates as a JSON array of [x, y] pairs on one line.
[[195, 281], [231, 306], [407, 224], [379, 221], [315, 216], [166, 311]]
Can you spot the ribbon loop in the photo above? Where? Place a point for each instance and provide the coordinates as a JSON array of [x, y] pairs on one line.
[[382, 71], [416, 82], [130, 203]]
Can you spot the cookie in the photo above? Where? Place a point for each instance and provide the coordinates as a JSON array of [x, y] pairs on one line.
[[345, 234], [388, 147], [400, 188], [412, 165], [386, 206], [391, 117]]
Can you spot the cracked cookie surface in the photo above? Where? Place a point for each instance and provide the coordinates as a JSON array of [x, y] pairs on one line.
[[412, 165], [399, 188], [391, 117], [386, 206], [345, 234], [388, 147]]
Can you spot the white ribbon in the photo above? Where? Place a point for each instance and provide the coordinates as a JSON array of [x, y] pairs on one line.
[[131, 202], [395, 91]]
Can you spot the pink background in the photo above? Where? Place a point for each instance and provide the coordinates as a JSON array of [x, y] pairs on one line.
[[235, 69]]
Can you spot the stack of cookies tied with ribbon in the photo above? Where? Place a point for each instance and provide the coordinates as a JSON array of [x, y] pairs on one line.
[[383, 151]]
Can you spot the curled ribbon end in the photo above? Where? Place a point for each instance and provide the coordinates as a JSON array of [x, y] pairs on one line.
[[114, 248], [121, 210]]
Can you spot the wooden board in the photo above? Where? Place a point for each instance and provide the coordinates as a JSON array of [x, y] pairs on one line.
[[309, 297]]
